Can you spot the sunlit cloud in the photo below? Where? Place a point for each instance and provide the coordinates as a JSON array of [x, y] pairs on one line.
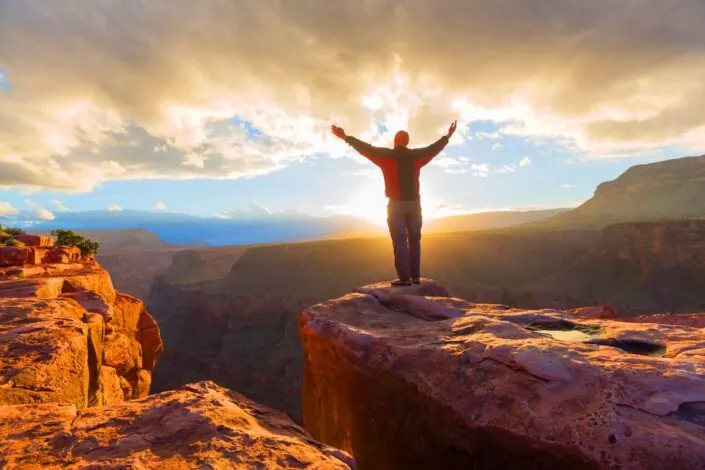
[[114, 208], [159, 206], [6, 210], [59, 206], [165, 89], [43, 214], [526, 161]]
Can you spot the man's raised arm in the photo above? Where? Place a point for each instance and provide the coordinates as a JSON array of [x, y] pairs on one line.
[[426, 154], [372, 153]]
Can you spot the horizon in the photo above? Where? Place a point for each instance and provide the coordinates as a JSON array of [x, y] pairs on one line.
[[223, 111]]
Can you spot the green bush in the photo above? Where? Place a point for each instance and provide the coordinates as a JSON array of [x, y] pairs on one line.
[[14, 231], [71, 238], [13, 242]]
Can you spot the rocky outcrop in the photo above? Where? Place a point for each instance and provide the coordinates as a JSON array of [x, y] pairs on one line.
[[670, 189], [67, 336], [199, 426], [411, 378]]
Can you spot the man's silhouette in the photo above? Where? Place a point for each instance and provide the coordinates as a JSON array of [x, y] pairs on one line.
[[401, 167]]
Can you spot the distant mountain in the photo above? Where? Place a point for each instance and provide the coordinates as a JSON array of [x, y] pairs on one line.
[[183, 229], [128, 239], [668, 190], [488, 220]]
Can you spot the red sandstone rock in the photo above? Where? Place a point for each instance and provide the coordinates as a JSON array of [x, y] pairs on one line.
[[122, 353], [18, 256], [600, 311], [111, 391], [53, 346], [62, 254], [35, 240], [199, 426], [493, 387], [40, 288]]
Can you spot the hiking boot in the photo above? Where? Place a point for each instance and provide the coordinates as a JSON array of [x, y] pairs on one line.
[[400, 283], [415, 280]]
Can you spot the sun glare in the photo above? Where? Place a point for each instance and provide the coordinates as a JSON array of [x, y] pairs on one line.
[[370, 203]]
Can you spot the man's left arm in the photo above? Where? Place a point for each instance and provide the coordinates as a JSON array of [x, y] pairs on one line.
[[426, 154]]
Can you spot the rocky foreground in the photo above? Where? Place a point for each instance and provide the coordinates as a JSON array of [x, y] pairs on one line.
[[200, 426], [66, 335], [76, 359], [411, 378]]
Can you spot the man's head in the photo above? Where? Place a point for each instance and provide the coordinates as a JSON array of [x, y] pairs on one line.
[[401, 139]]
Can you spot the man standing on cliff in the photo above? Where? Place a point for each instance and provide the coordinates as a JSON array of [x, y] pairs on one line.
[[401, 167]]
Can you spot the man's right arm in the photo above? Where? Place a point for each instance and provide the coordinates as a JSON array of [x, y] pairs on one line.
[[375, 154]]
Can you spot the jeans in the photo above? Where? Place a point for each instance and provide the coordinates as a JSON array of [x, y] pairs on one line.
[[405, 220]]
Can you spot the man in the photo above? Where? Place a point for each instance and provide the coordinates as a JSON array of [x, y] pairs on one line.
[[401, 167]]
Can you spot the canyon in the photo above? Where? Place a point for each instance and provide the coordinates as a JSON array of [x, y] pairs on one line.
[[238, 327]]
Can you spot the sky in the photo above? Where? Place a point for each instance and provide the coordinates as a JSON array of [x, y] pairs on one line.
[[218, 107]]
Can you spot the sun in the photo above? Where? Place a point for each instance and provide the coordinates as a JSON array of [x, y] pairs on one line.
[[369, 203]]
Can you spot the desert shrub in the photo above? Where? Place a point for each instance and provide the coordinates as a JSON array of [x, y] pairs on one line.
[[13, 242], [14, 231], [71, 238]]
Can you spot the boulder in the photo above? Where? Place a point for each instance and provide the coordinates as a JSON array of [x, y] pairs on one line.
[[199, 426], [62, 255], [122, 353], [110, 387], [35, 240], [18, 256], [391, 381]]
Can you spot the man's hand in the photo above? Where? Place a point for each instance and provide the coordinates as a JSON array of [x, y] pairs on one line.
[[338, 132], [451, 129]]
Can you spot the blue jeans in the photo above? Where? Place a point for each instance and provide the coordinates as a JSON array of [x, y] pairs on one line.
[[405, 220]]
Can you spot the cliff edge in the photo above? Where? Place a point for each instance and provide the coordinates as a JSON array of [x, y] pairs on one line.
[[412, 378], [67, 335]]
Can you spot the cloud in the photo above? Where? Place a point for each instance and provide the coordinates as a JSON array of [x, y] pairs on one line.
[[114, 208], [364, 173], [497, 146], [59, 206], [43, 214], [6, 210], [255, 210], [119, 90], [159, 206], [506, 169], [526, 161], [452, 165], [481, 169], [567, 186], [30, 203]]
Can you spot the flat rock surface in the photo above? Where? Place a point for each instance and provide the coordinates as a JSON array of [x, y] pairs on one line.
[[399, 378], [200, 426]]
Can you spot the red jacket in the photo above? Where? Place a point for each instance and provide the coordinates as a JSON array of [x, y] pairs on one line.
[[401, 166]]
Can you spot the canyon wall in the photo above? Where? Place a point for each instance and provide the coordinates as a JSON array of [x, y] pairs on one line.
[[67, 335]]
